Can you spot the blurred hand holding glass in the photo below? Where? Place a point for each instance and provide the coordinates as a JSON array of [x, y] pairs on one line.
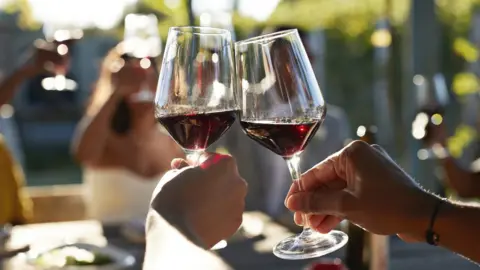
[[63, 37], [141, 45], [141, 38], [282, 108], [428, 125]]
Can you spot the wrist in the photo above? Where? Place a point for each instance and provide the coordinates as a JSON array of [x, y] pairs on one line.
[[181, 223], [420, 215], [179, 220]]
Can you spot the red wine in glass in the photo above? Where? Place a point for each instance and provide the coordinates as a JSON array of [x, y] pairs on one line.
[[197, 131], [282, 138]]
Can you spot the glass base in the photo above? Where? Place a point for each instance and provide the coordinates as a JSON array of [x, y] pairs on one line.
[[310, 244]]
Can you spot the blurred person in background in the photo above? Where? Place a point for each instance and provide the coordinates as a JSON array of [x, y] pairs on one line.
[[463, 181], [15, 205], [41, 60], [122, 149]]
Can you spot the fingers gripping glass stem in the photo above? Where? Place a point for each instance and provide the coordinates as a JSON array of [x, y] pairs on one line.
[[308, 244], [294, 168]]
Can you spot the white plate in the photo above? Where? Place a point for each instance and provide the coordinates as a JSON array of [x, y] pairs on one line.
[[121, 259]]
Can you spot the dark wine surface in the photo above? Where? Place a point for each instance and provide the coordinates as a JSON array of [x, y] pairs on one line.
[[198, 131], [284, 139]]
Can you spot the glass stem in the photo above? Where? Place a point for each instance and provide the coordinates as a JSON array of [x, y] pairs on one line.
[[193, 157], [294, 168]]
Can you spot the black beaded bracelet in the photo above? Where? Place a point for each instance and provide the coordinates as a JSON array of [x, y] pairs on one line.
[[431, 236]]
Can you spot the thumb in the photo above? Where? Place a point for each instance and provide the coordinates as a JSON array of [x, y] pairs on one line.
[[179, 163], [320, 202]]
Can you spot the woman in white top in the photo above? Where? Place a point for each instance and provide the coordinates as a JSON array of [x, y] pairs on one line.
[[122, 149]]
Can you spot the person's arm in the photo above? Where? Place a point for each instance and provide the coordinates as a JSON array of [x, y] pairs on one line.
[[168, 248], [12, 83], [456, 225], [12, 179], [465, 182], [92, 132]]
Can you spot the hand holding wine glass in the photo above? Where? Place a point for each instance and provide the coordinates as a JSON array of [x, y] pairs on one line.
[[44, 58], [134, 80], [209, 199], [62, 37], [282, 108]]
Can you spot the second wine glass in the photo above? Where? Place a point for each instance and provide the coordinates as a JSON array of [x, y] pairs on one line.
[[282, 108]]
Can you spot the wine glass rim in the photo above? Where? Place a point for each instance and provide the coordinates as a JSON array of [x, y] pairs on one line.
[[201, 30], [267, 37]]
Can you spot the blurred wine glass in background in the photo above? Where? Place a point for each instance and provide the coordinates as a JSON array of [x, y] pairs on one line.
[[218, 19], [142, 44], [63, 38], [432, 99]]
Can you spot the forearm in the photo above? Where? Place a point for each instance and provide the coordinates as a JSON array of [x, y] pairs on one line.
[[168, 248], [11, 84], [93, 130], [456, 225]]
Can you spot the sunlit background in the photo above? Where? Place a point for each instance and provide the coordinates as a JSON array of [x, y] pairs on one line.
[[376, 60], [350, 39]]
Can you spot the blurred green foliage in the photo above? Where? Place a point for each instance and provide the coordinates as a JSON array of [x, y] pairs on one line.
[[352, 18]]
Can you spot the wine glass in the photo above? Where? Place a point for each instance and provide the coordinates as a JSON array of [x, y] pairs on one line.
[[282, 108], [141, 45], [141, 38], [63, 37], [432, 99], [195, 99]]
